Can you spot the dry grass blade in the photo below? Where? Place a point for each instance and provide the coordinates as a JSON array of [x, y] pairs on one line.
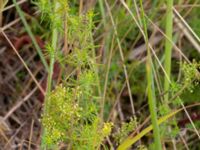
[[174, 45], [16, 106], [11, 6], [122, 57], [31, 135], [187, 33], [154, 40], [186, 24], [25, 65], [141, 30]]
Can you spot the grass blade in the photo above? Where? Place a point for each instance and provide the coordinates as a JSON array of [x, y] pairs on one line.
[[150, 86], [39, 51], [168, 47]]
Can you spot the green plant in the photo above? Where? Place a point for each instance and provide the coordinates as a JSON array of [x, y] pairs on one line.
[[150, 87], [168, 47], [131, 140], [69, 120], [71, 112], [125, 130], [97, 80]]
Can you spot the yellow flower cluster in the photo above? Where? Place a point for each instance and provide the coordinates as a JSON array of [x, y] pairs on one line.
[[107, 127]]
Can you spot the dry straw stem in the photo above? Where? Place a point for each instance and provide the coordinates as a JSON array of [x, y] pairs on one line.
[[187, 30], [122, 57], [13, 5], [187, 34], [186, 24], [17, 105], [31, 135], [107, 74], [174, 45], [25, 65]]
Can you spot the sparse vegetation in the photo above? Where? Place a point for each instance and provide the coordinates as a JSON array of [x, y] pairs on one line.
[[99, 74]]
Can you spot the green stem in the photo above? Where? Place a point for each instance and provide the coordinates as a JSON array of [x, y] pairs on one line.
[[27, 28], [106, 45], [102, 11], [52, 56], [150, 87], [168, 47], [51, 66]]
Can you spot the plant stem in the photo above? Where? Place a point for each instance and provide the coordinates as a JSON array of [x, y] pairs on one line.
[[102, 11], [168, 47], [106, 46], [122, 57], [39, 51], [168, 52], [52, 55], [51, 66], [150, 86]]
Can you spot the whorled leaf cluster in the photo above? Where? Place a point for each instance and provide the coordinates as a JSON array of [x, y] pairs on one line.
[[71, 115]]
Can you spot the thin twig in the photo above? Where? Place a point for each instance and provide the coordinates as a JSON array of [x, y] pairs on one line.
[[23, 62], [16, 106]]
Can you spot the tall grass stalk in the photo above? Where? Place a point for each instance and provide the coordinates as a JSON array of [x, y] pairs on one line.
[[102, 10], [168, 47], [51, 66], [150, 86], [168, 52], [106, 77], [122, 56], [52, 54], [52, 58], [107, 42]]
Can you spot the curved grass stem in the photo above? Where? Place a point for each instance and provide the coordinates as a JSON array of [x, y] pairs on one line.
[[51, 66], [27, 28], [168, 47], [150, 86]]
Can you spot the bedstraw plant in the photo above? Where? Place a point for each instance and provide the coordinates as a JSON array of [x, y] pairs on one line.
[[71, 111]]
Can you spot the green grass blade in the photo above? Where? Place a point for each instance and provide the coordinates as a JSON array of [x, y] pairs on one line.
[[101, 6], [53, 47], [168, 47], [150, 87], [27, 28]]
